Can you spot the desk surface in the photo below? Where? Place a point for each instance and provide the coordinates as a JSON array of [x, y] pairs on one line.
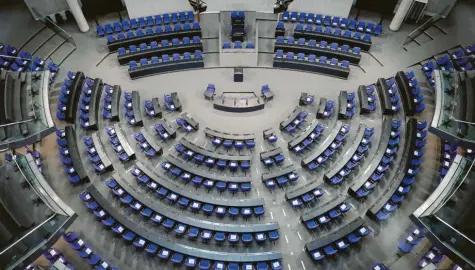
[[205, 152], [291, 117], [74, 152], [273, 175], [229, 136], [123, 140], [271, 153], [348, 154], [206, 174], [303, 135], [100, 150], [325, 144]]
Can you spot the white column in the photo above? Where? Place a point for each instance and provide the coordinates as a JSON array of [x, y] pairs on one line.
[[78, 15], [401, 13]]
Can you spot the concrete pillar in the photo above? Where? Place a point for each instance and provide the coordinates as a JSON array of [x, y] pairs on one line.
[[78, 15], [401, 13]]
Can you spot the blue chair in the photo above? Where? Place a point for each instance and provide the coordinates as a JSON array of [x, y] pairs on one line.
[[227, 45], [100, 31], [142, 23], [378, 30], [302, 17], [293, 16], [133, 24], [319, 19]]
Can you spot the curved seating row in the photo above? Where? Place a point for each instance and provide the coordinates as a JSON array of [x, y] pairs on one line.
[[350, 161], [133, 113], [110, 109], [331, 243], [90, 98], [312, 47], [280, 178], [294, 120], [228, 140], [124, 56], [69, 97], [346, 105], [306, 138], [119, 143], [153, 34], [147, 143], [187, 123], [310, 64], [70, 157], [405, 176], [449, 152], [305, 194], [142, 22], [335, 21], [96, 153], [85, 252], [388, 94], [410, 92], [164, 130], [199, 178], [367, 99], [325, 213], [327, 148], [388, 145], [165, 64], [271, 157], [193, 227], [199, 154], [174, 194], [176, 253], [353, 39]]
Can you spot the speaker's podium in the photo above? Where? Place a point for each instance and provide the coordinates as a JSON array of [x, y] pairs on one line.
[[238, 74]]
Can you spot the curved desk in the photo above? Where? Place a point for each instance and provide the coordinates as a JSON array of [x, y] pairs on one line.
[[324, 145], [228, 136], [158, 37], [348, 154], [207, 153], [293, 115], [124, 59], [296, 48], [206, 174]]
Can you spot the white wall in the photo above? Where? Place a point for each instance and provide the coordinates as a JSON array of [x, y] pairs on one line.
[[326, 7], [140, 8]]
